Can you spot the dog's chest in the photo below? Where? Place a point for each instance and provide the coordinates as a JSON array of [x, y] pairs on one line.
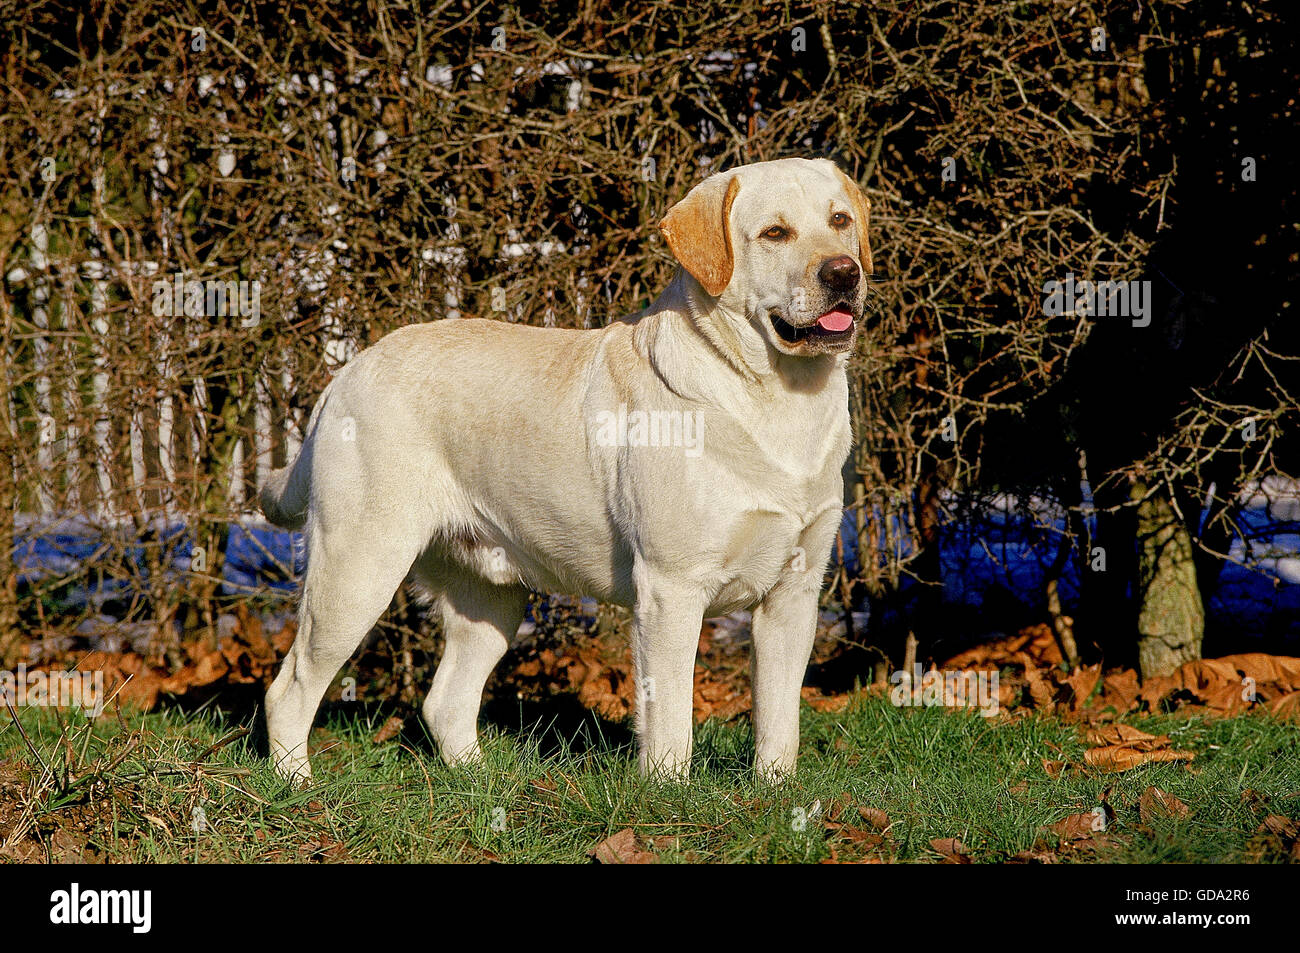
[[762, 545], [759, 549], [778, 516]]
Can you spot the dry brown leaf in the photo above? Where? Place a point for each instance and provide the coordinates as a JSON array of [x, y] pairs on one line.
[[1039, 643], [1053, 768], [27, 851], [390, 730], [736, 706], [952, 849], [1154, 689], [872, 840], [868, 859], [1083, 681], [621, 848], [1155, 804], [1078, 826], [1115, 758], [875, 817], [141, 691], [1127, 736], [1225, 698], [1036, 641], [211, 667], [1034, 856], [1121, 689], [1281, 826], [1039, 690], [249, 631], [1286, 706], [819, 702], [1252, 797], [179, 682]]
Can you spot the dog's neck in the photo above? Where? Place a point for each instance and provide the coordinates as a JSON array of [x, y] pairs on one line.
[[684, 320]]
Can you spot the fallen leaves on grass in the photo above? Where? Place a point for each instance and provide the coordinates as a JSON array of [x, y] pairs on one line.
[[718, 698], [245, 655], [849, 841], [1034, 855], [857, 835], [323, 850], [1079, 826], [390, 730], [1281, 826], [1033, 677], [1081, 832], [1286, 706], [604, 685], [1252, 798], [875, 817], [1036, 641], [1121, 689], [1039, 691], [1155, 804], [622, 848], [1277, 836], [864, 838], [951, 849], [1053, 769], [602, 678], [1116, 758], [1126, 736], [819, 702], [1231, 683], [1082, 683], [1121, 748], [835, 858]]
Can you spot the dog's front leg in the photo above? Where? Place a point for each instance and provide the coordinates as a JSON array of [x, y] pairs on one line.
[[666, 635], [783, 629]]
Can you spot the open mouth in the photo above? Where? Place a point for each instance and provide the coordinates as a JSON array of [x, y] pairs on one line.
[[835, 326]]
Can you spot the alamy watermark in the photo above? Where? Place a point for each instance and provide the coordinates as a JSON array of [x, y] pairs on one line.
[[1099, 299], [58, 689], [963, 689], [133, 908], [650, 428]]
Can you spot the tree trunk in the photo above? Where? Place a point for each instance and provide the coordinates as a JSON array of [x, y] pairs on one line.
[[1171, 621]]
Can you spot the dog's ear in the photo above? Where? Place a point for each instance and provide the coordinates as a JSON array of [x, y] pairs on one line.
[[698, 230], [861, 208]]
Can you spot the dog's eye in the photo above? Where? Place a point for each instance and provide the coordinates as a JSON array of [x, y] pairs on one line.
[[840, 220], [776, 233]]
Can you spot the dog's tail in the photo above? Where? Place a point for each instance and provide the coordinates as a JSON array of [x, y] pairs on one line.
[[285, 494]]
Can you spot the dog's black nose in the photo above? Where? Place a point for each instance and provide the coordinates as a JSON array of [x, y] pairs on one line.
[[839, 274]]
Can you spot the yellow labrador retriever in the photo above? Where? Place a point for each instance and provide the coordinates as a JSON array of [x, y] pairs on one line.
[[684, 462]]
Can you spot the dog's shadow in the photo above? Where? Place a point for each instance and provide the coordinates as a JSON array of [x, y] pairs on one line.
[[558, 727]]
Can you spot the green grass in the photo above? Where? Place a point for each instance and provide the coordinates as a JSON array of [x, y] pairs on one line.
[[132, 790]]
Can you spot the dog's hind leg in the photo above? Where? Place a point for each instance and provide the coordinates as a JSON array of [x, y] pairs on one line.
[[349, 583], [479, 618]]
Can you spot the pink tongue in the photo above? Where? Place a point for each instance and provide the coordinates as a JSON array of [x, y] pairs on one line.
[[835, 321]]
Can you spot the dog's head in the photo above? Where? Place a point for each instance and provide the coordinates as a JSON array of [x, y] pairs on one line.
[[783, 243]]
